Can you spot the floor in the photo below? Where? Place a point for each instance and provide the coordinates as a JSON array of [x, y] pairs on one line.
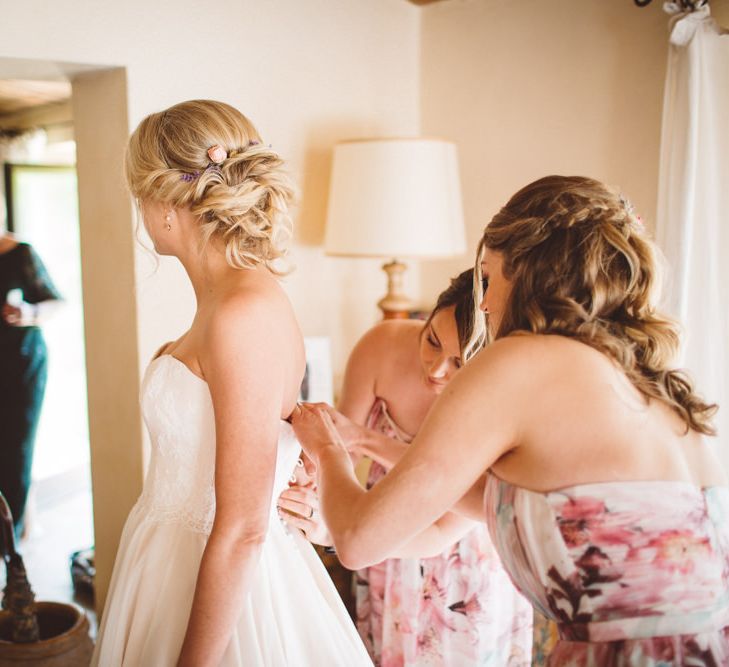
[[60, 522]]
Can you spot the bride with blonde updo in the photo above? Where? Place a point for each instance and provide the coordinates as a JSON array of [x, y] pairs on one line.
[[206, 574]]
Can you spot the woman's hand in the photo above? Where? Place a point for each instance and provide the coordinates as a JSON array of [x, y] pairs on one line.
[[299, 507], [304, 472], [350, 433], [23, 315], [315, 429]]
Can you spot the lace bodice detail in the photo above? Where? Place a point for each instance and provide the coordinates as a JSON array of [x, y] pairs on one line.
[[178, 412]]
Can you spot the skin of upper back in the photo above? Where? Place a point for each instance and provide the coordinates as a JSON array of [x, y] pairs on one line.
[[238, 294], [579, 420], [397, 373]]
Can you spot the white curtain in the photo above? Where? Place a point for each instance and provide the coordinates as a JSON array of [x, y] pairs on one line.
[[693, 202]]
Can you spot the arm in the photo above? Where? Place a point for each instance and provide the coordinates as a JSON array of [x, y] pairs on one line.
[[298, 505], [435, 539], [29, 314], [388, 451], [38, 289], [299, 508], [358, 395], [246, 384], [40, 297], [377, 446], [431, 477]]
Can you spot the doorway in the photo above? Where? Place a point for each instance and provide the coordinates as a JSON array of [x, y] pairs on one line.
[[97, 116], [38, 155]]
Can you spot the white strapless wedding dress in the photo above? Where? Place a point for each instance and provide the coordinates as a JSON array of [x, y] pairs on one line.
[[293, 614]]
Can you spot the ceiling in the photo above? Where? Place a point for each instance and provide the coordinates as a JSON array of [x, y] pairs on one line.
[[20, 94]]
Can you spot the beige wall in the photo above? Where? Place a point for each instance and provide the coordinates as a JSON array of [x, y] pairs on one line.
[[528, 88]]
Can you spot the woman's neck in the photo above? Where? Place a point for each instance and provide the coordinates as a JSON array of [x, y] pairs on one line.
[[209, 270]]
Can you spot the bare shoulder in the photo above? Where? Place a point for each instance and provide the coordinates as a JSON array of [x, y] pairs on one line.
[[536, 358], [512, 352], [526, 348], [254, 297], [380, 347], [385, 338], [250, 341], [257, 317], [577, 361], [162, 349]]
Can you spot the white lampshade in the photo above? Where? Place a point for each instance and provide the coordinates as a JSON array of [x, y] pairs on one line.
[[395, 198]]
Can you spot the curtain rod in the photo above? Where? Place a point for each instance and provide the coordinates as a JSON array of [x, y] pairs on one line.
[[686, 5]]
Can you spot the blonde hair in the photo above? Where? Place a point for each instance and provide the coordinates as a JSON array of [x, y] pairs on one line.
[[582, 266], [243, 201]]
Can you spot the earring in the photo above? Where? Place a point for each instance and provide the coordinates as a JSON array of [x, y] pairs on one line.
[[168, 226]]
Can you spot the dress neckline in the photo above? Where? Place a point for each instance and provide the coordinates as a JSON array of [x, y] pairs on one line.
[[180, 363], [200, 380], [606, 484], [403, 435]]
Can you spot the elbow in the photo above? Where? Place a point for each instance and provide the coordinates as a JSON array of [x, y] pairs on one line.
[[351, 561], [249, 539], [239, 541], [432, 552], [353, 551]]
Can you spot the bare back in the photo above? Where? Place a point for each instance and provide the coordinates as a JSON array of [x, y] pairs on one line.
[[581, 420], [280, 324], [386, 364]]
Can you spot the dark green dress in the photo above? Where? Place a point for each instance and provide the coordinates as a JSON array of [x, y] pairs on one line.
[[23, 370]]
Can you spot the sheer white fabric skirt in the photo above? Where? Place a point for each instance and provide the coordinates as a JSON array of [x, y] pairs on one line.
[[292, 616]]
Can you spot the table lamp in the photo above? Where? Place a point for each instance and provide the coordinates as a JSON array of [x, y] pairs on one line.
[[395, 198]]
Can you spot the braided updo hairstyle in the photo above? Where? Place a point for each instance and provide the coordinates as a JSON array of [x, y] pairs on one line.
[[582, 266], [243, 201]]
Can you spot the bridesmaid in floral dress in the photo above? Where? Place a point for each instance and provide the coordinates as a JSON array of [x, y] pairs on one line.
[[448, 600], [603, 496]]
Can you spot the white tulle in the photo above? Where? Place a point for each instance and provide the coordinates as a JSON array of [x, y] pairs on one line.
[[292, 615]]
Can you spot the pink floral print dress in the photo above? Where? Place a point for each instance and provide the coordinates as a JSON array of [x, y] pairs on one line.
[[453, 610], [633, 573]]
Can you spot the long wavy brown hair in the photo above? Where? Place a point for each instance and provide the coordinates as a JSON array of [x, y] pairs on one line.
[[582, 266]]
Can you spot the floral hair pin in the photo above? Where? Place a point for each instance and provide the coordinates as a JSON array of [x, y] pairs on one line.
[[217, 154], [190, 176], [628, 206]]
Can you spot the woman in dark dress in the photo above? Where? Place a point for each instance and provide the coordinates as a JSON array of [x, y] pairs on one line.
[[23, 366]]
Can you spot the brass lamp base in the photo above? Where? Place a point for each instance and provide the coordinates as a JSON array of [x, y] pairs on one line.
[[395, 305]]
